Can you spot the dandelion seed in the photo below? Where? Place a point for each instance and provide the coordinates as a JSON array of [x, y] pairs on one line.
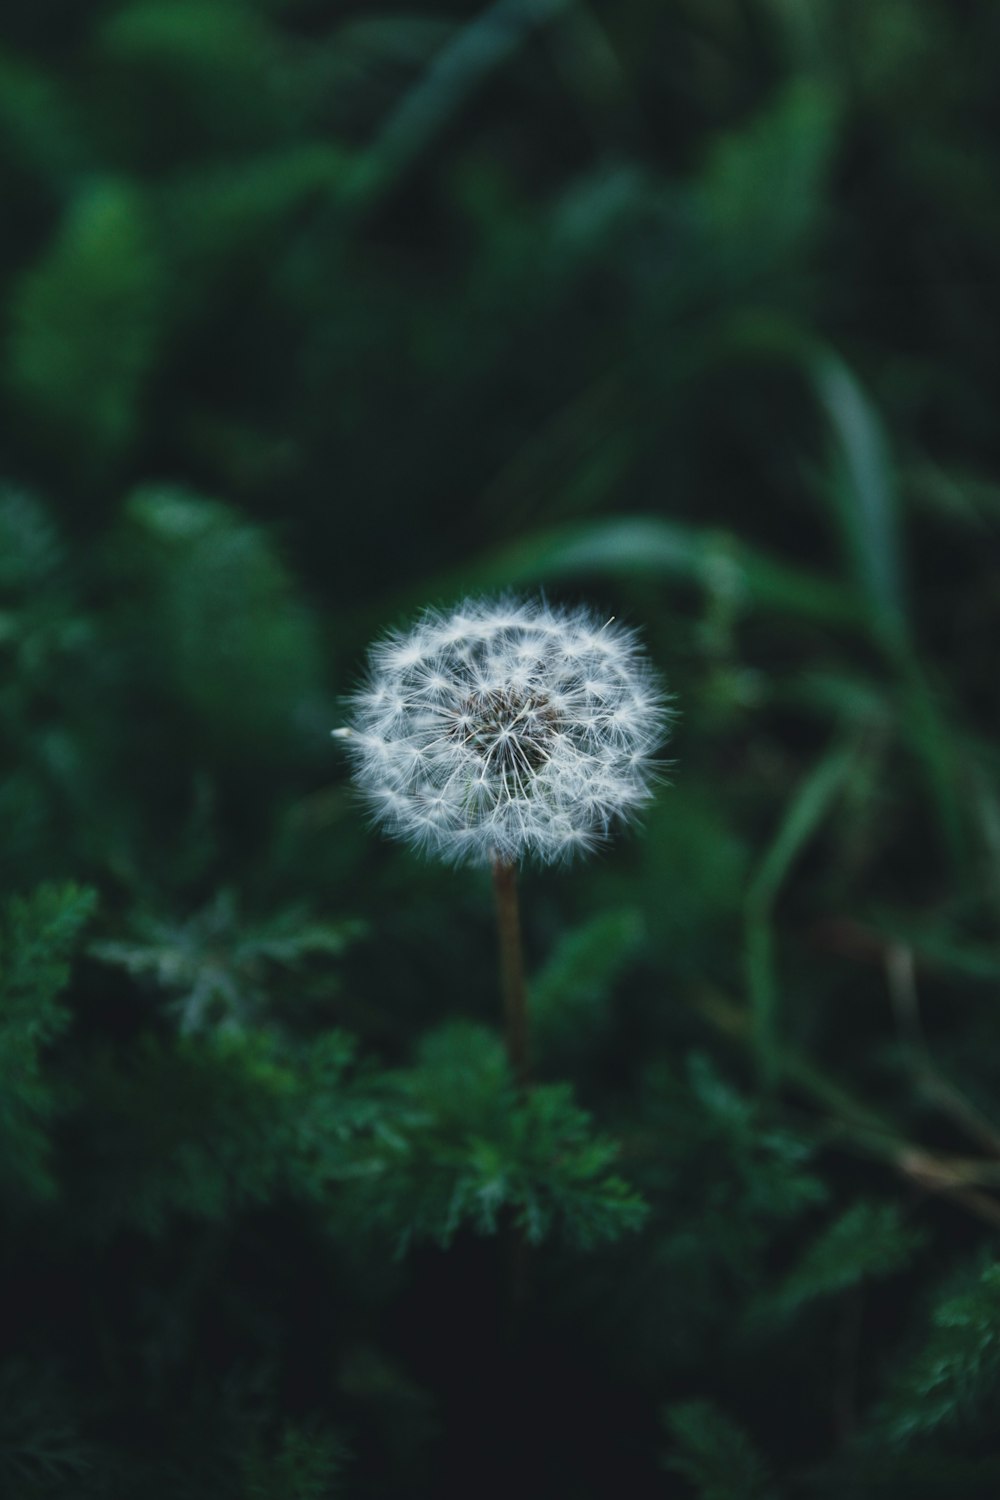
[[506, 730]]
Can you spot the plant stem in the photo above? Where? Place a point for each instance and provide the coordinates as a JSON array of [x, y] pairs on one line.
[[515, 1003], [864, 1128]]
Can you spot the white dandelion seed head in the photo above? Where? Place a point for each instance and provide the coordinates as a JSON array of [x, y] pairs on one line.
[[506, 729]]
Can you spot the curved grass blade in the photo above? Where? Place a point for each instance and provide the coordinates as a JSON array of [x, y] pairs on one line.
[[807, 810], [648, 547]]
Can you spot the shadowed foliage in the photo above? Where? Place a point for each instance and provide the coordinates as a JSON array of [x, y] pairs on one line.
[[315, 315]]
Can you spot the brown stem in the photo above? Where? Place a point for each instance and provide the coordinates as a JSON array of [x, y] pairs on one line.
[[515, 1004]]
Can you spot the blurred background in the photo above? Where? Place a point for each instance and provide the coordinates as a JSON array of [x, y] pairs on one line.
[[314, 313]]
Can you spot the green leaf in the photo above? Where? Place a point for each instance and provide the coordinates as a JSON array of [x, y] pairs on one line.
[[803, 816], [952, 1383], [42, 1452], [867, 1243], [764, 188], [647, 547], [222, 618], [214, 65], [219, 966], [86, 324], [760, 1170], [864, 493], [806, 811], [222, 216], [30, 547], [37, 937], [862, 485], [463, 1147], [715, 1455], [570, 994], [459, 69], [201, 1127], [38, 124], [307, 1463]]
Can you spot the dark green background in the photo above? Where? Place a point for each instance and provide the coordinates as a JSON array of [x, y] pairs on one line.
[[316, 313]]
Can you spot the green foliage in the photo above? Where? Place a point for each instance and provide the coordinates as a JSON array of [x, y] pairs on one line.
[[230, 1120], [37, 121], [218, 214], [768, 1163], [949, 1387], [239, 652], [211, 53], [715, 1455], [867, 1243], [572, 992], [86, 324], [864, 496], [465, 1149], [217, 966], [726, 1185], [38, 935], [809, 806], [764, 187], [312, 318], [41, 1452], [238, 1118], [649, 547], [306, 1464], [30, 549]]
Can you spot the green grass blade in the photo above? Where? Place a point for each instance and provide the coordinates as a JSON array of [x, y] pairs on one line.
[[475, 52], [648, 547], [864, 493], [807, 810]]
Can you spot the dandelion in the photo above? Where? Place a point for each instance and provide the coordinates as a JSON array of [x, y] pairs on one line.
[[506, 731], [503, 731]]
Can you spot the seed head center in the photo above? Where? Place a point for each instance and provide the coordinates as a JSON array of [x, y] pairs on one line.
[[508, 727]]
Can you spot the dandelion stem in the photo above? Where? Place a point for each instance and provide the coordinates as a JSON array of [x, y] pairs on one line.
[[515, 1003]]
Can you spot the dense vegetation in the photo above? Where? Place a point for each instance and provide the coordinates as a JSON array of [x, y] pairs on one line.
[[313, 314]]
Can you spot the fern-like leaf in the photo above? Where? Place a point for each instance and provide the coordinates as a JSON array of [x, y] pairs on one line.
[[715, 1455]]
